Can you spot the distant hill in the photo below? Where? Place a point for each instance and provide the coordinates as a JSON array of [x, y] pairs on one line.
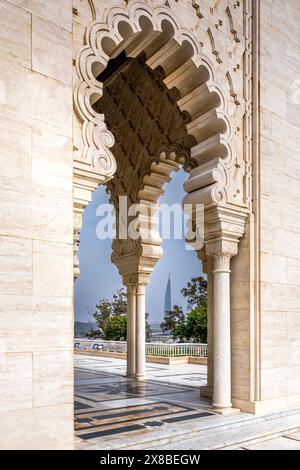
[[82, 328]]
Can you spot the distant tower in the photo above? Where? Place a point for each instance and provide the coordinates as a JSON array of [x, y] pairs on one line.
[[168, 296]]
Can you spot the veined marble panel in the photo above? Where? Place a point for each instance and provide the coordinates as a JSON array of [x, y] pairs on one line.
[[49, 10], [15, 34], [55, 62]]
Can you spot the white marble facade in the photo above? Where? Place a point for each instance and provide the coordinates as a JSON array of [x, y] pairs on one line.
[[49, 168]]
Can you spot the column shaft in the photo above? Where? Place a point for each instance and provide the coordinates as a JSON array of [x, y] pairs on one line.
[[210, 326], [222, 354], [140, 355], [131, 330]]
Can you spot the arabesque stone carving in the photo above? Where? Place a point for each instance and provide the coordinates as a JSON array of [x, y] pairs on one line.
[[189, 66]]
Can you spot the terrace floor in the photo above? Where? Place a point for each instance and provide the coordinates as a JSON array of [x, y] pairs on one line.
[[107, 404], [163, 412]]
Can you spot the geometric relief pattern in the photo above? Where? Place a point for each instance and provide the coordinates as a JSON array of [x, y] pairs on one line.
[[143, 115], [148, 127], [198, 108], [192, 63]]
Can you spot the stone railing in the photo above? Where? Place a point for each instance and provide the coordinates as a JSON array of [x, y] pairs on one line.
[[152, 349]]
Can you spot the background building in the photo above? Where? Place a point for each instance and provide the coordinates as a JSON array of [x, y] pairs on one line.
[[168, 304]]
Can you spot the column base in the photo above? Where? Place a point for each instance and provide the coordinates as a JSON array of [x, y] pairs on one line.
[[129, 375], [206, 391], [140, 378], [226, 411]]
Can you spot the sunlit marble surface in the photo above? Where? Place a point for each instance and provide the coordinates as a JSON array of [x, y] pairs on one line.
[[165, 412], [108, 404]]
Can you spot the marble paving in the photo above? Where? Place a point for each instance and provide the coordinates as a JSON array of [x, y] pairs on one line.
[[166, 412], [108, 404]]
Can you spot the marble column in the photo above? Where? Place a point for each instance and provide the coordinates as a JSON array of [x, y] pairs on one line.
[[210, 326], [131, 329], [140, 354], [222, 345], [77, 223], [207, 391]]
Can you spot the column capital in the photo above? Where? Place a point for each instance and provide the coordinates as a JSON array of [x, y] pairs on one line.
[[136, 280], [221, 247], [131, 289]]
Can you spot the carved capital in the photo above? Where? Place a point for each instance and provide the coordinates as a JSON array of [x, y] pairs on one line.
[[138, 281], [222, 263], [131, 288], [221, 248], [223, 229]]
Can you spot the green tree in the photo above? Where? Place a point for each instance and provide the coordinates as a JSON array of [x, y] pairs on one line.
[[194, 327], [196, 324], [119, 303], [103, 313], [107, 311], [172, 319], [195, 292], [180, 332], [95, 334], [148, 329], [116, 328]]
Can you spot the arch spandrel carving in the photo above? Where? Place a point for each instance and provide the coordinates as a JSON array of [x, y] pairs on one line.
[[104, 37], [202, 56]]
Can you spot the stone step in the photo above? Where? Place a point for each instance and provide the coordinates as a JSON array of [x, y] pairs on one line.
[[217, 432]]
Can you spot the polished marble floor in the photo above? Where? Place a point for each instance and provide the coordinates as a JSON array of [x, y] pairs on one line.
[[108, 404], [165, 412]]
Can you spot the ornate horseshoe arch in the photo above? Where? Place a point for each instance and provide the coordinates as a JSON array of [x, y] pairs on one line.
[[218, 112]]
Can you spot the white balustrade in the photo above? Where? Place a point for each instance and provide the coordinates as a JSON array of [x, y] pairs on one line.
[[152, 349]]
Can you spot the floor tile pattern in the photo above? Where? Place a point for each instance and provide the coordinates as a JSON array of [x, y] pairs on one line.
[[109, 404]]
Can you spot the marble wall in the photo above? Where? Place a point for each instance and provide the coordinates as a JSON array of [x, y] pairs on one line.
[[279, 203], [36, 236]]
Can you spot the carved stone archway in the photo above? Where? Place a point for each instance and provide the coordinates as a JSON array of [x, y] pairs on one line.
[[219, 121], [205, 95]]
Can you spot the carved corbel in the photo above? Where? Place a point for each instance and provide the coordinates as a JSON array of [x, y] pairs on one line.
[[224, 227]]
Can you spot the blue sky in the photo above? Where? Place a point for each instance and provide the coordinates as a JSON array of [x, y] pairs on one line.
[[99, 278]]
